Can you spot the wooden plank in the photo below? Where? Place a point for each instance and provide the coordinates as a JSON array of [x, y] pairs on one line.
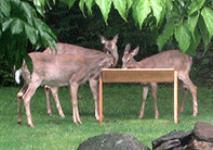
[[160, 75], [100, 100], [176, 97]]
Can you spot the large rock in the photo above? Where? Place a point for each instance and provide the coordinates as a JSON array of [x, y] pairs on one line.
[[112, 141], [203, 131], [200, 145], [202, 137], [172, 140]]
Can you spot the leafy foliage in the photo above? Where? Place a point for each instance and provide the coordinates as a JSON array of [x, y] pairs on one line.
[[184, 16], [188, 16], [123, 7], [105, 6], [181, 17], [183, 37], [20, 18], [141, 11], [184, 24], [207, 14], [21, 25]]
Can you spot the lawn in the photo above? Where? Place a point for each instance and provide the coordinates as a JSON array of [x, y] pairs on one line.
[[121, 108]]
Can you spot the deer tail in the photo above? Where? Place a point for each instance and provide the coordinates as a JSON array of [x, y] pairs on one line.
[[18, 74]]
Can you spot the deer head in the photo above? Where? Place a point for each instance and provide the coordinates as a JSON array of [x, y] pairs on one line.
[[128, 60], [110, 47]]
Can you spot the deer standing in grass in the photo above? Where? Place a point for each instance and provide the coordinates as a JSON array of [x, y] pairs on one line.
[[69, 68], [62, 48], [167, 59]]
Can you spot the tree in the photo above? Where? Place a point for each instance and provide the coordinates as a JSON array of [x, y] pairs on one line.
[[187, 23], [21, 24]]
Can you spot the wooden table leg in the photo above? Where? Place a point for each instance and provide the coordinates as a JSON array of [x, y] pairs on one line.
[[176, 97], [100, 100]]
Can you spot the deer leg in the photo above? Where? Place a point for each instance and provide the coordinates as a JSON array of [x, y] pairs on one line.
[[19, 111], [154, 95], [27, 97], [54, 91], [183, 104], [20, 102], [74, 92], [47, 93], [94, 88], [145, 93], [193, 89]]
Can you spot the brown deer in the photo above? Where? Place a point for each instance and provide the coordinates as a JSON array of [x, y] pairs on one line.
[[109, 46], [167, 59], [25, 73], [69, 68]]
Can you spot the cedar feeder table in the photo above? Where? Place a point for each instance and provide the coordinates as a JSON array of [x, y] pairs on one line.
[[147, 75]]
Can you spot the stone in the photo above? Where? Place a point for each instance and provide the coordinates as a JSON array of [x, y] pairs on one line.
[[112, 141], [183, 137], [203, 131], [200, 145], [168, 145]]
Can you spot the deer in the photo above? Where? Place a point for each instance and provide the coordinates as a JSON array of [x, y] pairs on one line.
[[62, 48], [25, 73], [167, 59], [71, 69]]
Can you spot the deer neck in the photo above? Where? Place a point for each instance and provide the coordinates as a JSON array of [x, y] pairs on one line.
[[115, 56], [138, 64]]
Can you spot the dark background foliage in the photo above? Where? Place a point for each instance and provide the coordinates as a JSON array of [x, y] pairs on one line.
[[71, 26]]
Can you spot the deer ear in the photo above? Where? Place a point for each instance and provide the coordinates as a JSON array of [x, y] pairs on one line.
[[24, 63], [103, 40], [135, 51], [127, 48], [115, 38]]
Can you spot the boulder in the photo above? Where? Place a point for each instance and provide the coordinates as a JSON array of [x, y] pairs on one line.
[[112, 141], [203, 131], [200, 145], [172, 140]]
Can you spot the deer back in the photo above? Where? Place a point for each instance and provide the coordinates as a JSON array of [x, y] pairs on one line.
[[167, 59], [71, 63], [109, 47]]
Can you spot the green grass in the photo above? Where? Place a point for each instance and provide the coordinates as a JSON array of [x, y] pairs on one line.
[[121, 108]]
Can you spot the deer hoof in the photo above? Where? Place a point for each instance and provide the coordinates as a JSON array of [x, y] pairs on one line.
[[62, 116], [31, 125], [19, 122], [157, 116], [195, 114], [77, 122], [140, 116], [96, 117], [49, 113]]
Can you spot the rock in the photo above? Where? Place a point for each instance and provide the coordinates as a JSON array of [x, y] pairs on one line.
[[200, 145], [112, 141], [203, 131], [168, 145], [183, 138]]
